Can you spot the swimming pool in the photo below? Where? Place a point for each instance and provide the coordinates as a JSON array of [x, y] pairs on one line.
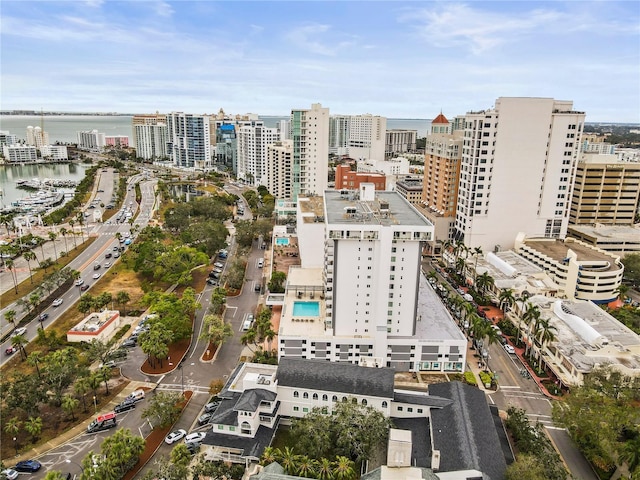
[[306, 309], [282, 241]]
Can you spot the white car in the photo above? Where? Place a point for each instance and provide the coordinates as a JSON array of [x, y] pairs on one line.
[[196, 437], [96, 276], [57, 302], [175, 436], [79, 282], [19, 331], [9, 474], [509, 349], [107, 265]]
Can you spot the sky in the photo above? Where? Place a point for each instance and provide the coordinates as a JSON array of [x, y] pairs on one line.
[[398, 59]]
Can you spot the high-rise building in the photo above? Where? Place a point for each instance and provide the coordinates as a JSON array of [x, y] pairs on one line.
[[516, 171], [400, 141], [188, 143], [7, 138], [37, 137], [91, 140], [310, 135], [359, 136], [360, 296], [443, 153], [284, 127], [252, 152], [150, 140], [278, 168], [606, 191]]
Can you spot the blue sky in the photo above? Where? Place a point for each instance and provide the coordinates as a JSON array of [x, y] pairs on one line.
[[397, 59]]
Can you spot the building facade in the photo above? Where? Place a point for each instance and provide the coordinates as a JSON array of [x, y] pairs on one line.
[[7, 138], [92, 140], [278, 168], [20, 153], [188, 140], [37, 137], [351, 180], [399, 141], [151, 141], [54, 152], [618, 240], [118, 141], [516, 171], [252, 152], [411, 189], [310, 135], [606, 191]]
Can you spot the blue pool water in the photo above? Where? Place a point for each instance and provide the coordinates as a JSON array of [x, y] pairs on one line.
[[282, 241], [306, 309]]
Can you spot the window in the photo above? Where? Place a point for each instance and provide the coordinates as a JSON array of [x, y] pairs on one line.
[[305, 395], [400, 409], [344, 399], [295, 409], [305, 410], [410, 409], [315, 396], [325, 397], [384, 404], [296, 394], [364, 401], [334, 398]]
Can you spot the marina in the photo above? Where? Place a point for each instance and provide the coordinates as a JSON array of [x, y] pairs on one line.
[[45, 183]]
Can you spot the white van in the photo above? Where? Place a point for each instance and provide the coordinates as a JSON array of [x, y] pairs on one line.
[[136, 395], [247, 323], [261, 263]]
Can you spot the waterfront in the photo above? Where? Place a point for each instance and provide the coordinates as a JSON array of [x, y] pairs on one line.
[[10, 173], [64, 128]]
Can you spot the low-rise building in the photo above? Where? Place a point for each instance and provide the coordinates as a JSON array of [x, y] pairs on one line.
[[580, 271], [20, 153], [116, 140], [350, 180], [411, 189], [54, 152], [616, 239], [96, 326]]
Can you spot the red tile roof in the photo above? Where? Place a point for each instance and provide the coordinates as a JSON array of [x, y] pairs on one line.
[[440, 119]]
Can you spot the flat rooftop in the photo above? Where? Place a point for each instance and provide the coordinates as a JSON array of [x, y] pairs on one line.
[[616, 234], [398, 210], [311, 207], [525, 276], [558, 250]]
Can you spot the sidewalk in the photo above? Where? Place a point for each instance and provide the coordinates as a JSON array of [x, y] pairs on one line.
[[79, 429]]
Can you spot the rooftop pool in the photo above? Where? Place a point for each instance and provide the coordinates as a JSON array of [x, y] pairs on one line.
[[282, 241], [306, 309]]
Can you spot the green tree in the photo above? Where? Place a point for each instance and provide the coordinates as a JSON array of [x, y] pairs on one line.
[[10, 316], [69, 405], [344, 469], [180, 455], [35, 359], [52, 238], [631, 264], [119, 453], [484, 282], [59, 371], [215, 330], [276, 285], [63, 232], [20, 341], [12, 270], [526, 467], [54, 475], [34, 427], [29, 257], [81, 387], [122, 298], [163, 409], [506, 299], [13, 426], [155, 343], [289, 460], [325, 469]]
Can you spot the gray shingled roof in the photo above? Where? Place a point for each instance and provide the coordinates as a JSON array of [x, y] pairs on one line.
[[420, 439], [225, 413], [465, 433], [250, 400], [426, 400], [250, 446], [335, 376]]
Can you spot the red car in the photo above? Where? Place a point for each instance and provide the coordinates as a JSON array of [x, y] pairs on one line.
[[11, 350]]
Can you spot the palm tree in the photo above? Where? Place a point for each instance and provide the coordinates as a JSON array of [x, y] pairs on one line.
[[506, 299], [29, 256], [306, 467], [122, 298], [547, 334], [531, 318], [39, 241], [460, 264], [630, 454], [63, 232], [20, 341], [10, 316], [446, 247], [52, 237], [344, 469], [622, 291], [289, 461], [81, 387], [34, 427], [34, 360], [12, 426], [72, 222], [484, 282], [12, 269], [80, 218], [325, 469], [69, 404], [269, 455], [476, 252]]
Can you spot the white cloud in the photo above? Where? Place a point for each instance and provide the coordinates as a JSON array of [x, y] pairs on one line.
[[164, 9], [452, 25], [306, 37], [94, 3]]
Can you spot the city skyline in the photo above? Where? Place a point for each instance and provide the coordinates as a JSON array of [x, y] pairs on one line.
[[395, 59]]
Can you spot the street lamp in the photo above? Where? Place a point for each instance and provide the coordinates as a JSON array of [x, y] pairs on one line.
[[15, 444], [95, 403], [181, 378]]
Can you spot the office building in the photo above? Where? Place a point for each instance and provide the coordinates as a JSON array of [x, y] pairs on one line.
[[399, 141], [278, 168], [310, 135], [91, 140], [516, 171], [252, 144], [188, 141], [606, 191], [443, 154]]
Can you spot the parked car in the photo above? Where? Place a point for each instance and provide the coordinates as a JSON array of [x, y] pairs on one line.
[[193, 447], [219, 265], [109, 364], [196, 437], [509, 349], [125, 406], [175, 436], [28, 466], [57, 302], [116, 248], [116, 354], [212, 281], [211, 406], [79, 282], [128, 343], [204, 418], [9, 474]]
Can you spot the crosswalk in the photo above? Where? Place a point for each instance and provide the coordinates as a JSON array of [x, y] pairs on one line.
[[176, 387]]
